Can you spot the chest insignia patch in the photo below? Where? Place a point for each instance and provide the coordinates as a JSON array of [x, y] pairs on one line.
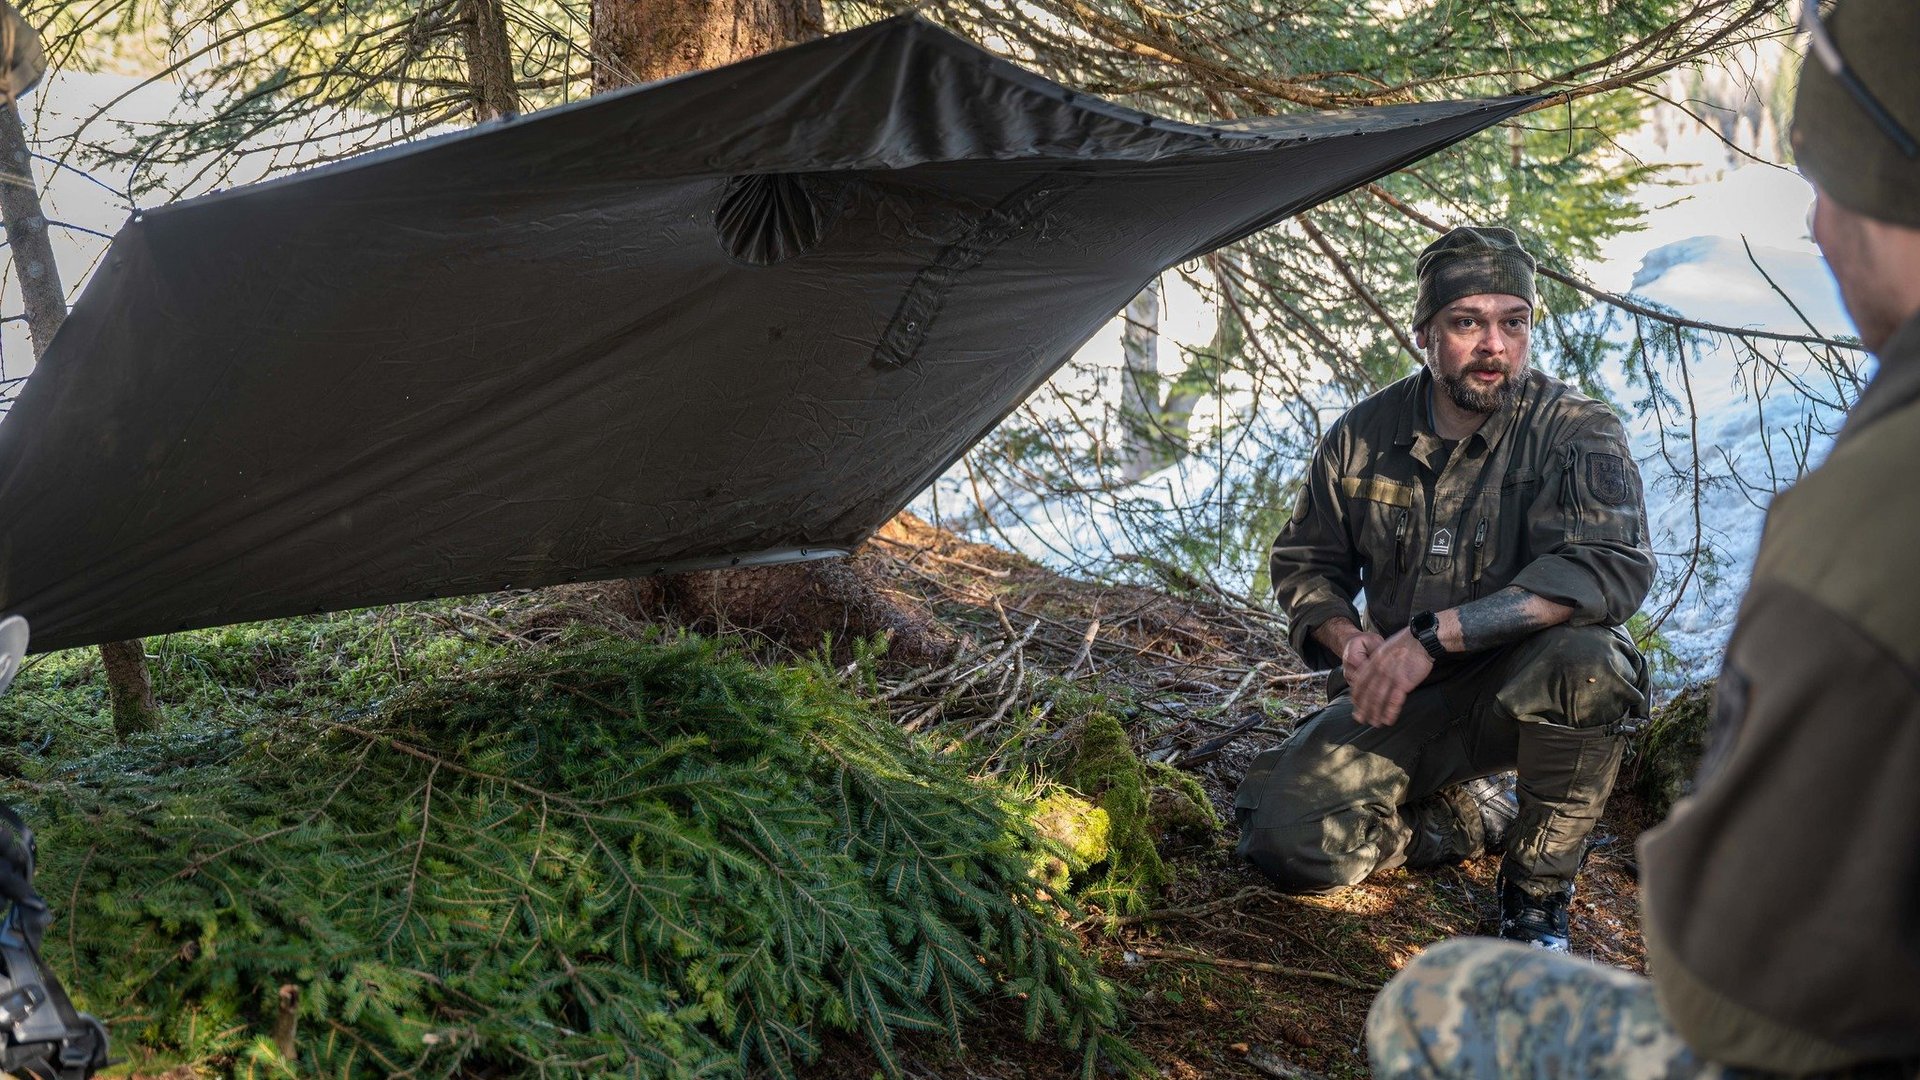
[[1607, 478], [1442, 542]]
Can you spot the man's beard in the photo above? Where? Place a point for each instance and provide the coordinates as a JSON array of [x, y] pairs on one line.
[[1480, 399]]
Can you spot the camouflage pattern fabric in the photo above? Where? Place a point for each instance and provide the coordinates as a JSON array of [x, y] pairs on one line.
[[1479, 1008]]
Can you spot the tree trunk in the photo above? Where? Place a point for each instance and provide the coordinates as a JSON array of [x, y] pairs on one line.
[[639, 41], [1156, 415], [489, 61], [129, 688], [1140, 383], [46, 301]]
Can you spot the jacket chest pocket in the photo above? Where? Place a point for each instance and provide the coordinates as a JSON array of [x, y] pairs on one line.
[[1498, 545], [1383, 512]]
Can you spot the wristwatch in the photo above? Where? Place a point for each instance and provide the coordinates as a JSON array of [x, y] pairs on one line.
[[1426, 631]]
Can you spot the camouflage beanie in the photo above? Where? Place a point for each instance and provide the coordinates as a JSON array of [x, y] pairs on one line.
[[1836, 142], [1468, 261], [21, 55]]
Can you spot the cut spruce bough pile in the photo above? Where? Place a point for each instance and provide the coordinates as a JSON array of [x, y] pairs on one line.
[[649, 858]]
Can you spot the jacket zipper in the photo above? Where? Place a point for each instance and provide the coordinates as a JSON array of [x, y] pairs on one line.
[[1400, 539], [1570, 491], [1479, 565]]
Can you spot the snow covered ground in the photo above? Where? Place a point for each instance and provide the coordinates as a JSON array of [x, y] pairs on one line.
[[1750, 443]]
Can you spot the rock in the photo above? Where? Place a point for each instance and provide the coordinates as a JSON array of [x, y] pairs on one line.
[[1666, 754]]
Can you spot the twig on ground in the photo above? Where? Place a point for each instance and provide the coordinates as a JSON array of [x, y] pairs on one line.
[[1250, 965], [962, 656], [1019, 687], [1245, 683], [948, 559], [1212, 748], [1267, 1063], [1086, 650], [1168, 914], [413, 875], [953, 693], [492, 625], [1001, 612]]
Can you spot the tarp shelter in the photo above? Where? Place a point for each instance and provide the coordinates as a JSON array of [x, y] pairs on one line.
[[736, 317]]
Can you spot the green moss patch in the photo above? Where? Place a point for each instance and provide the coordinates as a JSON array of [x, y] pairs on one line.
[[1144, 802]]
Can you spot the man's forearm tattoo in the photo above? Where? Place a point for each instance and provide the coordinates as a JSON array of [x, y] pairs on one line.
[[1508, 615]]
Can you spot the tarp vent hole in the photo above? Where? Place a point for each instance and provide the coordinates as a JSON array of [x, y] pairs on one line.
[[769, 218]]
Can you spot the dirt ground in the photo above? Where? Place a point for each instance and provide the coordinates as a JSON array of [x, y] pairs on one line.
[[1224, 977]]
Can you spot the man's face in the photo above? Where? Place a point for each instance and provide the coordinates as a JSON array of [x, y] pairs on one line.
[[1477, 349], [1869, 290]]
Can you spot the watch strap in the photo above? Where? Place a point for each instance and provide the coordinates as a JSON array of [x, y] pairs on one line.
[[1426, 630]]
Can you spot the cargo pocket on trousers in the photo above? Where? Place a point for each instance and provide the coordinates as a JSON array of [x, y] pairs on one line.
[[1253, 786]]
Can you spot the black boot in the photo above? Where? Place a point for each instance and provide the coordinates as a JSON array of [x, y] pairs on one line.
[[1540, 921]]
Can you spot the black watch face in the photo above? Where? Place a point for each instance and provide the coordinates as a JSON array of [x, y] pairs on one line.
[[1426, 620]]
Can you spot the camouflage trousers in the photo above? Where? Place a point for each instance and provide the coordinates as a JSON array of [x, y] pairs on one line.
[[1475, 1007]]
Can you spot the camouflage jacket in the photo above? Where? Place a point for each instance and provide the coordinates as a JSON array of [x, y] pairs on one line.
[[1545, 496], [1782, 898]]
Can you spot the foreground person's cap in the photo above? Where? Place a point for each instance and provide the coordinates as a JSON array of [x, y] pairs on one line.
[[1857, 116], [1468, 261]]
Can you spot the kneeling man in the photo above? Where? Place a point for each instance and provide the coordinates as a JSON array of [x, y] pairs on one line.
[[1494, 518]]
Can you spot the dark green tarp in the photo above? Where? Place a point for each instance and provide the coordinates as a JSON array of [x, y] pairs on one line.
[[740, 316]]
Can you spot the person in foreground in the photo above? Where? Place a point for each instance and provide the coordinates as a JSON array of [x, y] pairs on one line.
[[1782, 898], [1495, 520]]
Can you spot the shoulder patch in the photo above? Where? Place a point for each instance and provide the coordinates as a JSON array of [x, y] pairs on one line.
[[1607, 478]]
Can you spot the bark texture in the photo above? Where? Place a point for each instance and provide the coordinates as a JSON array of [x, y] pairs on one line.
[[128, 685], [640, 41], [1157, 412], [489, 61], [637, 41], [129, 688], [46, 298]]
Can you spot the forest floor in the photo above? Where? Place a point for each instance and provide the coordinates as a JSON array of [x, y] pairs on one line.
[[1221, 976], [1225, 977]]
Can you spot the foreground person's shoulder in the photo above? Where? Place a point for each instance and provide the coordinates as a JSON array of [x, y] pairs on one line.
[[1843, 536]]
